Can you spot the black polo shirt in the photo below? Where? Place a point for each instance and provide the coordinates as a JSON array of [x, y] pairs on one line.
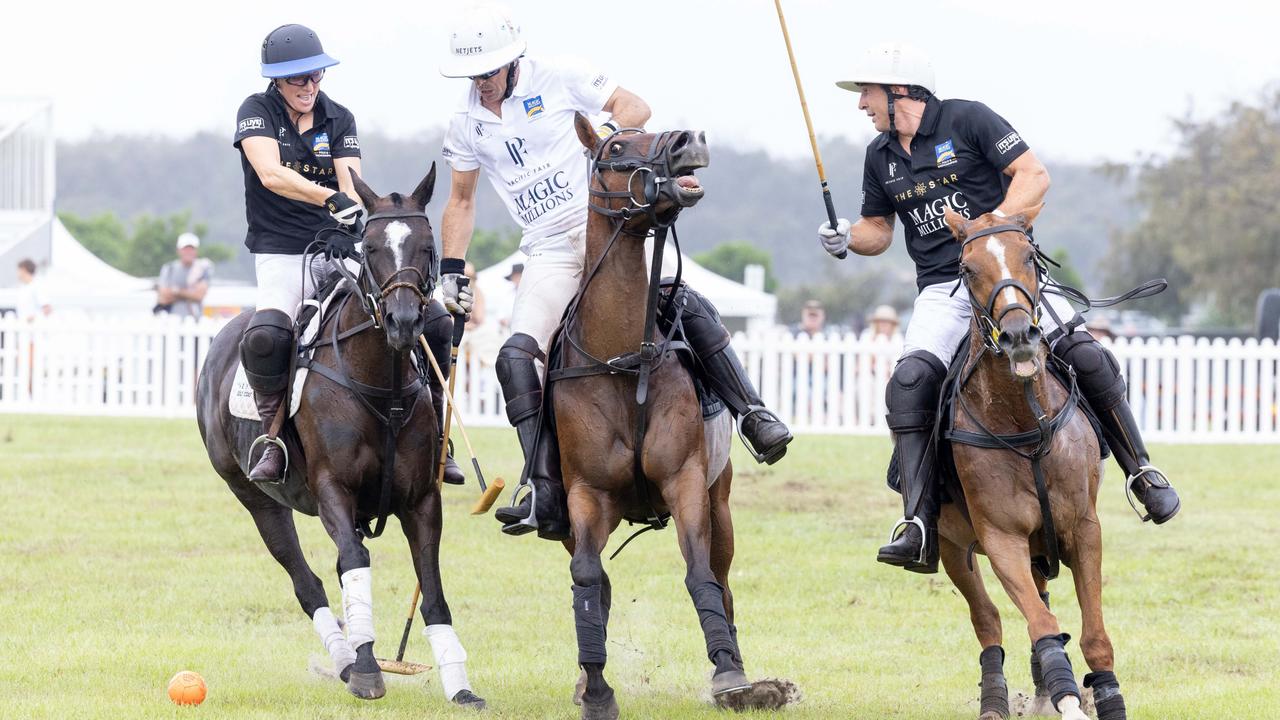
[[957, 160], [278, 224]]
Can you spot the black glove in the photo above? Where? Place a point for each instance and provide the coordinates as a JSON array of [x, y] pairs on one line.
[[339, 245], [342, 208]]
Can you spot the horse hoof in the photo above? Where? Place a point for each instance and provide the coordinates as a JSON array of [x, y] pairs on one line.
[[729, 682], [767, 694], [366, 686], [467, 699], [580, 689], [992, 715], [607, 710]]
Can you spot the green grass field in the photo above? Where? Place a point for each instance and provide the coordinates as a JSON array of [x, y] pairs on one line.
[[123, 559]]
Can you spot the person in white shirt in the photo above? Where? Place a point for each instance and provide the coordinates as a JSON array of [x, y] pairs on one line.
[[516, 123], [32, 302]]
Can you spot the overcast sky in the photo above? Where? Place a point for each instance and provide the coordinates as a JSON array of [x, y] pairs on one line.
[[1088, 80]]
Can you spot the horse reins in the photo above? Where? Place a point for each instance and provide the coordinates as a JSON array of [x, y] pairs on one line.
[[371, 299]]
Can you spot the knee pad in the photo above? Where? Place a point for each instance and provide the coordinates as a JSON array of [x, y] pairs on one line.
[[912, 395], [702, 327], [518, 375], [438, 330], [1097, 370], [266, 349]]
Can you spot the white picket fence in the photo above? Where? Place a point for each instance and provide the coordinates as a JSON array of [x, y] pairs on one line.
[[1182, 389]]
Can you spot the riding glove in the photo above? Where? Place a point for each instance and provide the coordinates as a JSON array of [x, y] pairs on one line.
[[343, 209], [835, 242], [455, 286], [339, 246]]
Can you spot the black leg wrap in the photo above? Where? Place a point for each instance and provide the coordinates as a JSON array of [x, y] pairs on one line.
[[995, 691], [1059, 680], [266, 349], [708, 600], [1107, 700], [591, 618]]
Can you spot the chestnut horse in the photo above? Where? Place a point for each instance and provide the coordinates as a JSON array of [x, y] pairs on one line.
[[364, 396], [1029, 466], [641, 182]]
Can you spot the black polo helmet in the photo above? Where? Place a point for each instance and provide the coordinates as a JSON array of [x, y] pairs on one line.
[[291, 50]]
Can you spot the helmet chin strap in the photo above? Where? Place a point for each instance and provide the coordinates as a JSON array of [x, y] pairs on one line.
[[891, 95], [511, 77]]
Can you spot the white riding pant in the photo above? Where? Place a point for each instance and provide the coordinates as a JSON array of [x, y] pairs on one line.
[[282, 283], [940, 319], [550, 280]]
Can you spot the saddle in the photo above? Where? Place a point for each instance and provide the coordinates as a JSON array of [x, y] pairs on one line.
[[948, 480]]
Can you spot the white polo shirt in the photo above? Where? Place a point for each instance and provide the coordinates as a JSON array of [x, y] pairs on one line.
[[532, 155]]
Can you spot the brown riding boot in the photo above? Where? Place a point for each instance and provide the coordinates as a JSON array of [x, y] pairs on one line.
[[271, 466]]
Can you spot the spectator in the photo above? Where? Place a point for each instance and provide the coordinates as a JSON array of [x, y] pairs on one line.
[[32, 302], [1100, 328], [476, 317], [813, 319], [182, 285], [882, 325], [517, 270]]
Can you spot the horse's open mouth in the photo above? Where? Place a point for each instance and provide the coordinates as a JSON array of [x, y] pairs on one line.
[[1024, 368], [688, 190]]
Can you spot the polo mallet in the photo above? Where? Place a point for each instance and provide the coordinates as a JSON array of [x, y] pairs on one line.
[[399, 666], [459, 326], [488, 493], [813, 141]]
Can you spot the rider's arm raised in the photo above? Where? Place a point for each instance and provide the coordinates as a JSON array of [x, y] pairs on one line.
[[459, 214], [264, 155], [626, 109], [1030, 182]]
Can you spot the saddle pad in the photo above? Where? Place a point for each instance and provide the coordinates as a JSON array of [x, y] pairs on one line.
[[241, 402], [717, 430]]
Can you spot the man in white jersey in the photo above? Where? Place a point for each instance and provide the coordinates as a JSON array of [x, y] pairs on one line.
[[516, 123]]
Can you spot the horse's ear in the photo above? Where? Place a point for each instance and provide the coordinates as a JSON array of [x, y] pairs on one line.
[[367, 197], [586, 134], [1026, 216], [422, 194], [956, 222]]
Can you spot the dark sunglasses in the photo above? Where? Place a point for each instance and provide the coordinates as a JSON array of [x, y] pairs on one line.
[[487, 75], [302, 80]]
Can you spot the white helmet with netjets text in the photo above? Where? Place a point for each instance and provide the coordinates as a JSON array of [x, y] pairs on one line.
[[891, 64], [483, 40]]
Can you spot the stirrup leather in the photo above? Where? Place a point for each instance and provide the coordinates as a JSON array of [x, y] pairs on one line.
[[264, 439], [1143, 470], [924, 535]]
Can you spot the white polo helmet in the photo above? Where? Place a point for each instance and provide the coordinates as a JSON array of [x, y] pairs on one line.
[[893, 63], [483, 40]]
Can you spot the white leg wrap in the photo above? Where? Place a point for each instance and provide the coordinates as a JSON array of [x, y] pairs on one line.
[[335, 642], [357, 605], [451, 658]]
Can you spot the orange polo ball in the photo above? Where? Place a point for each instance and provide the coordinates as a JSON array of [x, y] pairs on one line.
[[187, 688]]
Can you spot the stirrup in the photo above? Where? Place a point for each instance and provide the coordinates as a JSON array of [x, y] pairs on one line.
[[1163, 482], [264, 439], [769, 458], [529, 523], [924, 535]]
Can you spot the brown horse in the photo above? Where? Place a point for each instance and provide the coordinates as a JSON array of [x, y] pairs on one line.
[[1028, 463], [362, 383], [644, 180]]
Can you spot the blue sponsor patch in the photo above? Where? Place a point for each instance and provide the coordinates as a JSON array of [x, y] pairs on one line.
[[945, 152], [533, 106], [320, 144]]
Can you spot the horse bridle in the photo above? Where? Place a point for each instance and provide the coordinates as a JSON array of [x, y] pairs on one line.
[[371, 297], [985, 313], [653, 169]]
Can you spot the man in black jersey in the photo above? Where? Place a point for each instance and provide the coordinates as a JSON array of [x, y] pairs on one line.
[[930, 155]]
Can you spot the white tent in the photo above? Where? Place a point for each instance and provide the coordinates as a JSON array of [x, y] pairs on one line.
[[748, 304]]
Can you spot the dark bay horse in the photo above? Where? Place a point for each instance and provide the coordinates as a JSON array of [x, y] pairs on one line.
[[1029, 466], [361, 380], [639, 181]]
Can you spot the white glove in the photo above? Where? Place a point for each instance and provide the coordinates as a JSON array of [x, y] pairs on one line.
[[458, 296], [835, 241]]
